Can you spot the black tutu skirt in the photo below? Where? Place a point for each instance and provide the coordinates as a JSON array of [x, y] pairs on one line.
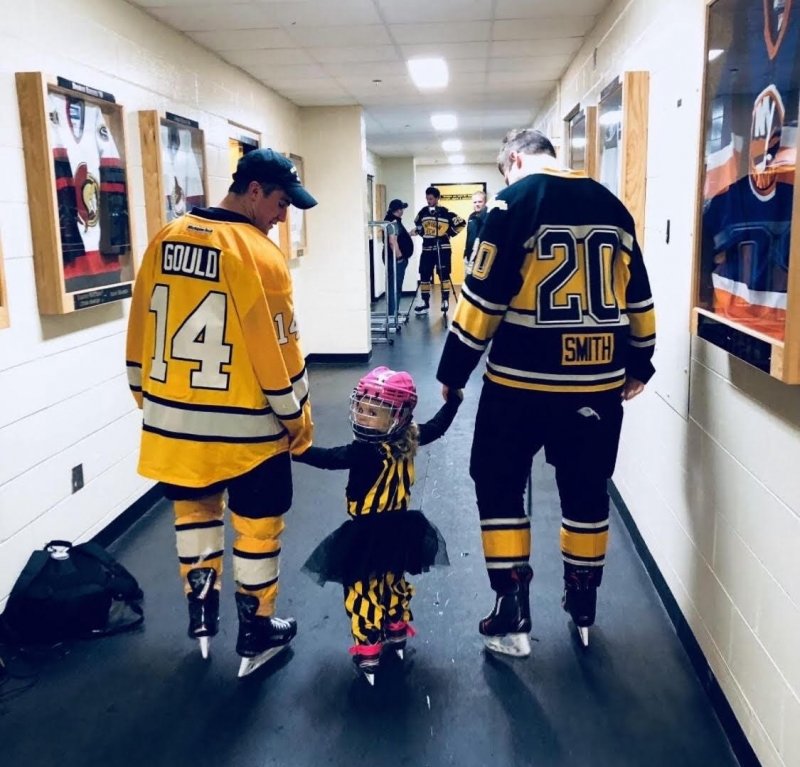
[[392, 541]]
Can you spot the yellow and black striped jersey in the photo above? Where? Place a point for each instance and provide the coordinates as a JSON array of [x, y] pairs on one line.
[[212, 352], [380, 479], [559, 286], [437, 225]]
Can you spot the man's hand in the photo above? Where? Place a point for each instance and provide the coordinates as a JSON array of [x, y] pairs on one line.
[[447, 392], [633, 388]]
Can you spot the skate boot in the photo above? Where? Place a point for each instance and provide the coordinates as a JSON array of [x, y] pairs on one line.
[[445, 305], [507, 627], [580, 598], [367, 659], [421, 309], [260, 638], [203, 606], [395, 635]]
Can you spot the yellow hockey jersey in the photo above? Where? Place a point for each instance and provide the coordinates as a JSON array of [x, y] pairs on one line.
[[212, 352]]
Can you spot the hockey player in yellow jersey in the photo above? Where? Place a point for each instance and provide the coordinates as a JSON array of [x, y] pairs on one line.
[[214, 362], [559, 287]]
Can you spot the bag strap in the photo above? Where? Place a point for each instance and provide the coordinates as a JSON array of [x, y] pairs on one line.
[[122, 627], [96, 551], [35, 564]]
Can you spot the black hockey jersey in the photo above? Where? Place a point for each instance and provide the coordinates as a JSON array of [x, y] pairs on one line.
[[437, 225], [559, 286]]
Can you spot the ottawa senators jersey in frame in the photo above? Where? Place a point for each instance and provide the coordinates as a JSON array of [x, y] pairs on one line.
[[559, 287], [213, 356]]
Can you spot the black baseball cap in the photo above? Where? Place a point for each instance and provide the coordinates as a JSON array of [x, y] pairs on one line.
[[270, 167], [396, 205]]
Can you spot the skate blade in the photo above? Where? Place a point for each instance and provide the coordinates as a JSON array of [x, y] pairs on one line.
[[583, 634], [370, 678], [249, 665], [205, 646], [515, 645], [400, 653]]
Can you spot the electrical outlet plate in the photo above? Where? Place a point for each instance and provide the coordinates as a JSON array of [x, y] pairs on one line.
[[77, 477]]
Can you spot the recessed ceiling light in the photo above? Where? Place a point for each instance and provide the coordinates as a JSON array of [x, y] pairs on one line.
[[456, 159], [428, 73], [444, 121], [452, 145]]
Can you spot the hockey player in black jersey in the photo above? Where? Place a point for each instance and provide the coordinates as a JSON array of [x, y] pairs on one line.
[[436, 225], [383, 540], [559, 287]]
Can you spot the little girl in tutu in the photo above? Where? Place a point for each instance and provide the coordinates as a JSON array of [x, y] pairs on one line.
[[383, 539]]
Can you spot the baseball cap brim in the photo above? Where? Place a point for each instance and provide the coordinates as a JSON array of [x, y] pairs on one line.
[[300, 196]]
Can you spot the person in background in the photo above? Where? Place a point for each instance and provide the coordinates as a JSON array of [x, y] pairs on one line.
[[401, 248], [214, 362], [474, 223], [559, 287], [436, 224]]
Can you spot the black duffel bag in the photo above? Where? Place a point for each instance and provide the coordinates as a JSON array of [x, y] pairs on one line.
[[71, 592]]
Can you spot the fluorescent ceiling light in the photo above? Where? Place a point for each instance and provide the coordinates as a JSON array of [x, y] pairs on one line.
[[452, 145], [715, 53], [444, 121], [428, 73], [456, 159]]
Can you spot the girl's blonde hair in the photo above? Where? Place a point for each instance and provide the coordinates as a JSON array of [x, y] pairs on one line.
[[405, 446]]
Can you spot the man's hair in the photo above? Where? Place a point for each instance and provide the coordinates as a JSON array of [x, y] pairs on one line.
[[523, 141], [434, 191], [240, 187], [481, 193]]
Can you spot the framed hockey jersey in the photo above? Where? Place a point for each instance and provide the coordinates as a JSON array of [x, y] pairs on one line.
[[747, 272], [73, 138], [580, 128], [174, 166], [4, 321]]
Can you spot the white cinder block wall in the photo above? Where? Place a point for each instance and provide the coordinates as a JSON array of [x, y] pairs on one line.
[[63, 393], [709, 458]]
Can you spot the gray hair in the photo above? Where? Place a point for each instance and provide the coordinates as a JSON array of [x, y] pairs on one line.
[[523, 141]]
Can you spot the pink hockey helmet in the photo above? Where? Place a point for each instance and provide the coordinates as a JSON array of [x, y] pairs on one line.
[[382, 404]]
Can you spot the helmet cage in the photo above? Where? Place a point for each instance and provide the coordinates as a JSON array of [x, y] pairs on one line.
[[382, 404]]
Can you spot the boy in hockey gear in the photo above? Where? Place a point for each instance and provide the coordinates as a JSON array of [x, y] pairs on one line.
[[225, 394], [559, 287], [436, 224], [371, 553]]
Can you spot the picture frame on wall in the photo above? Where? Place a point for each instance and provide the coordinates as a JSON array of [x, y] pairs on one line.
[[78, 194], [4, 318], [746, 293], [174, 167], [622, 132], [580, 129], [297, 218]]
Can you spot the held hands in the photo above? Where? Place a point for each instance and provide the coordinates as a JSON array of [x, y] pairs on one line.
[[633, 388], [448, 393]]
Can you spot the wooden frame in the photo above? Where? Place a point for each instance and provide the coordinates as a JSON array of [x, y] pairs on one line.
[[580, 146], [74, 144], [297, 217], [4, 318], [622, 115], [746, 277], [174, 166]]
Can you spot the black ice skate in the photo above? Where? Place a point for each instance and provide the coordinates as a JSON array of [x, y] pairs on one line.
[[508, 626], [580, 598], [367, 659], [421, 310], [260, 638], [203, 606], [396, 634], [445, 305]]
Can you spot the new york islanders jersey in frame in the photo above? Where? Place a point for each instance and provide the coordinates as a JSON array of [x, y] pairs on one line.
[[182, 177], [559, 287], [213, 356], [90, 191], [750, 162]]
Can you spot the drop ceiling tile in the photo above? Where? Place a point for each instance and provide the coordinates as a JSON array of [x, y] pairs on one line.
[[341, 37], [237, 39], [443, 10], [526, 9], [205, 18], [368, 53], [258, 59], [566, 45], [369, 70], [447, 50], [453, 32], [536, 29], [320, 13]]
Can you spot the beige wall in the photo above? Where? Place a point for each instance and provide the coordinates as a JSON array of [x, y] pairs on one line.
[[63, 395], [708, 463]]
